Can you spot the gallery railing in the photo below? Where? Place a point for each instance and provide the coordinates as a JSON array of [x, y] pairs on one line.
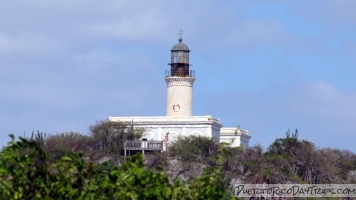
[[190, 73], [143, 145]]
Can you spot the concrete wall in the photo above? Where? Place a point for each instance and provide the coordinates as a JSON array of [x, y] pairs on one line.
[[156, 128], [179, 96]]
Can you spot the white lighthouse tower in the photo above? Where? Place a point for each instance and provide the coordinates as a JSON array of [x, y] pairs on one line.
[[179, 81]]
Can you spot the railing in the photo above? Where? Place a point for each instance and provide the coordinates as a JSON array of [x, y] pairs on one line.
[[143, 145], [180, 73]]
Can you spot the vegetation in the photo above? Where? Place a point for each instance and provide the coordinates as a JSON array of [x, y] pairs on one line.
[[194, 149], [105, 139], [290, 159], [75, 166], [109, 136], [287, 160], [25, 172]]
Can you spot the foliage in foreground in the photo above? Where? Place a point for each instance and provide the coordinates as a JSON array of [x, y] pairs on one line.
[[105, 138], [287, 160], [26, 173], [194, 149]]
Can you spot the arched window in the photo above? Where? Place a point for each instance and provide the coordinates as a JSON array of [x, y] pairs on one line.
[[148, 135], [196, 133]]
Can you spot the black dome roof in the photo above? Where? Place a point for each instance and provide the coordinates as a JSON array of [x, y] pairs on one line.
[[180, 46]]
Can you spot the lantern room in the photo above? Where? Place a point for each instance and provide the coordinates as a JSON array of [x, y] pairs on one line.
[[180, 60]]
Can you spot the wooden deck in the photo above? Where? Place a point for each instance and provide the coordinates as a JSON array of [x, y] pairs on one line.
[[143, 145]]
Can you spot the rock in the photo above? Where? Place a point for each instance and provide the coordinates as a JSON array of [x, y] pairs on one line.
[[104, 159], [351, 175]]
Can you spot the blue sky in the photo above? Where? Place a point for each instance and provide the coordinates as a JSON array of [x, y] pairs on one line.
[[265, 66]]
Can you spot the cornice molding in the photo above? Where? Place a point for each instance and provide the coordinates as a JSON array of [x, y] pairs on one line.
[[179, 81]]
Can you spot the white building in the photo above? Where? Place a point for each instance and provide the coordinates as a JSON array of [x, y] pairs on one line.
[[179, 120]]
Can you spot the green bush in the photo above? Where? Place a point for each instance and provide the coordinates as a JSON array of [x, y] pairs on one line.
[[26, 173], [194, 149], [109, 136]]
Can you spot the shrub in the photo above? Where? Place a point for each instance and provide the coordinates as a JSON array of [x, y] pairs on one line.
[[26, 173], [194, 149], [109, 136]]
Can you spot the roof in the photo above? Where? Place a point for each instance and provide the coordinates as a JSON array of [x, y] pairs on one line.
[[180, 46]]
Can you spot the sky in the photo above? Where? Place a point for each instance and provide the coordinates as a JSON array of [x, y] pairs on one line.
[[266, 66]]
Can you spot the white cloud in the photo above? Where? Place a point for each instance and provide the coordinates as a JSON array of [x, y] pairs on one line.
[[254, 33], [323, 113], [340, 12], [147, 24], [29, 45], [323, 103]]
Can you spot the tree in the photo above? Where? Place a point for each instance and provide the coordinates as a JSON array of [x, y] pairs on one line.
[[58, 145], [194, 149], [301, 161], [25, 172], [109, 136]]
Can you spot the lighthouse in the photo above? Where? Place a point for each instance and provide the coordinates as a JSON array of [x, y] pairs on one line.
[[180, 80], [179, 119]]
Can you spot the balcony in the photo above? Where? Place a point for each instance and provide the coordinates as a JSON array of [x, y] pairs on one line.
[[188, 73], [143, 145]]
